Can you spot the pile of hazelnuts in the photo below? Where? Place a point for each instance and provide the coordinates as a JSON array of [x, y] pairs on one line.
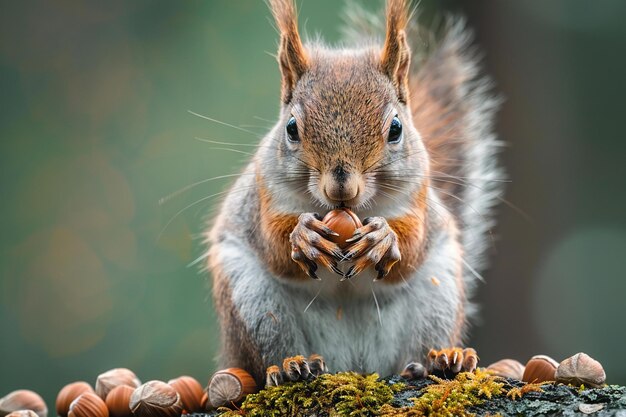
[[580, 369], [119, 393]]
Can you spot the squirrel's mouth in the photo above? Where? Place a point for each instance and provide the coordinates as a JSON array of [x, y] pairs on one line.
[[352, 203]]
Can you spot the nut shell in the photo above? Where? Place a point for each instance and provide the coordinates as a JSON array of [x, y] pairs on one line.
[[22, 413], [23, 399], [190, 392], [540, 368], [343, 222], [156, 399], [88, 405], [229, 386], [205, 401], [581, 369], [118, 401], [507, 368], [68, 394], [114, 377]]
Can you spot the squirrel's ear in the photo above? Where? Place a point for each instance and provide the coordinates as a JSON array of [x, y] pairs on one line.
[[292, 57], [396, 56]]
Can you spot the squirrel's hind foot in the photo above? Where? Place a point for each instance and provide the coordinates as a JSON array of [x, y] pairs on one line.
[[446, 363], [295, 368], [450, 361]]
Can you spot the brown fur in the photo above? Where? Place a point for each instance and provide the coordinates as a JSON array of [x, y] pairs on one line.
[[292, 56], [275, 229], [439, 114], [396, 56], [412, 232]]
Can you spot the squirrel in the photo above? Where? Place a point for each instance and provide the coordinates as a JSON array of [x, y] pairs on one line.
[[405, 140]]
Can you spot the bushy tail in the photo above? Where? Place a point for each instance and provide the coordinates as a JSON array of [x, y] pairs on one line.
[[453, 109]]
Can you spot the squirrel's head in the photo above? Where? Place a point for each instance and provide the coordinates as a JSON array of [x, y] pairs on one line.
[[346, 134]]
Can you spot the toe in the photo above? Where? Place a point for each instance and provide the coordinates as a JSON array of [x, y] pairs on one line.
[[296, 368], [273, 378], [317, 365], [470, 360]]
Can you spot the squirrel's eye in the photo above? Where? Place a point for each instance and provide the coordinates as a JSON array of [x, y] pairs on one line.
[[292, 130], [395, 131]]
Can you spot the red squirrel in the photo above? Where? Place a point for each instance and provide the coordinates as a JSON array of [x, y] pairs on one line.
[[406, 141]]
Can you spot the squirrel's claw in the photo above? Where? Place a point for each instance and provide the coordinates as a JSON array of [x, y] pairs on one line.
[[373, 244], [296, 368], [449, 362], [317, 365], [273, 377], [310, 245]]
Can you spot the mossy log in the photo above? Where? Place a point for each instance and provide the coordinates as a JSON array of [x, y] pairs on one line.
[[478, 393]]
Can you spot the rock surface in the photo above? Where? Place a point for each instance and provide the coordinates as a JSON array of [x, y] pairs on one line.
[[552, 400]]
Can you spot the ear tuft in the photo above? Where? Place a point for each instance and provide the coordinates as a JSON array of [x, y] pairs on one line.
[[292, 57], [396, 56]]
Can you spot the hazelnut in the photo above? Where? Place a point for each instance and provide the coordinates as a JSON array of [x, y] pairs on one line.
[[88, 405], [190, 392], [22, 413], [229, 386], [68, 394], [343, 222], [581, 369], [204, 401], [155, 399], [114, 377], [507, 368], [23, 399], [118, 401], [540, 368]]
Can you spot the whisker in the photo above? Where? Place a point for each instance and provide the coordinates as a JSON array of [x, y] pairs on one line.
[[216, 142], [313, 299], [168, 197], [380, 319], [503, 200], [472, 270], [232, 150], [178, 213], [200, 258], [223, 123], [264, 120]]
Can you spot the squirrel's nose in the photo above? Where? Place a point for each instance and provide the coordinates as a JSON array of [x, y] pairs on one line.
[[340, 185], [341, 191]]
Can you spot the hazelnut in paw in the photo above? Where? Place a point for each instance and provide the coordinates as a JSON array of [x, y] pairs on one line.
[[311, 244], [451, 361], [295, 368], [374, 244]]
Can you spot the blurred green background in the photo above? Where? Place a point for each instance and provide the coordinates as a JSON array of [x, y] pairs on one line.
[[95, 131]]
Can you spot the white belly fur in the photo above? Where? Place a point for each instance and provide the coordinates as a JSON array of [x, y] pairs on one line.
[[415, 314], [411, 316]]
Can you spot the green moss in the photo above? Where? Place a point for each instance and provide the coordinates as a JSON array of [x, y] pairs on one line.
[[342, 394], [352, 394], [451, 397]]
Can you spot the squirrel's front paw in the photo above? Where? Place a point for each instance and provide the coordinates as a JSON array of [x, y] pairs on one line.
[[310, 244], [296, 368], [451, 361], [373, 244]]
